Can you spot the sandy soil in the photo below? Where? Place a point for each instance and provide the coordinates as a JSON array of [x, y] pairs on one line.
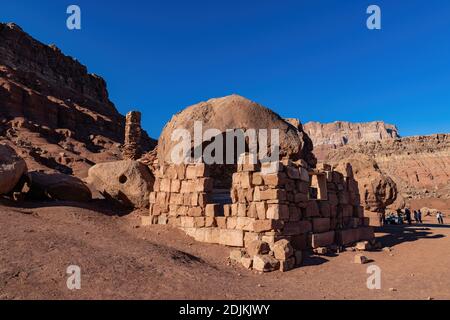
[[119, 260]]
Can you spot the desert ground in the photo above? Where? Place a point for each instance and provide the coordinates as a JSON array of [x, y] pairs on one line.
[[120, 260]]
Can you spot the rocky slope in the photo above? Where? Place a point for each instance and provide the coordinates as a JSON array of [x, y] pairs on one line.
[[52, 111], [420, 166], [331, 136]]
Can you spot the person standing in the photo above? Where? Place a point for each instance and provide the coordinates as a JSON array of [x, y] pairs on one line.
[[416, 216], [419, 215], [440, 217], [382, 217], [408, 215]]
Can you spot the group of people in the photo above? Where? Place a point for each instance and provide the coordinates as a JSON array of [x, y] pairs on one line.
[[399, 217]]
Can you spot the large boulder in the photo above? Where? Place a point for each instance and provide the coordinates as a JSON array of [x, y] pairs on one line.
[[57, 186], [377, 190], [235, 112], [12, 168], [128, 182]]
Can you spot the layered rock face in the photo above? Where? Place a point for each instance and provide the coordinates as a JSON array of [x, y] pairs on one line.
[[331, 136], [52, 111], [420, 166]]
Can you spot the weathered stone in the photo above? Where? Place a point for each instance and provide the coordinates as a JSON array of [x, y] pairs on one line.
[[232, 238], [12, 168], [236, 255], [247, 262], [321, 225], [265, 263], [128, 182], [266, 225], [318, 240], [278, 212], [288, 264], [257, 247], [214, 210], [363, 246], [360, 259], [283, 250], [58, 186]]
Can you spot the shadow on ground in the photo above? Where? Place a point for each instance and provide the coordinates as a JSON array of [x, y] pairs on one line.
[[98, 205], [397, 234]]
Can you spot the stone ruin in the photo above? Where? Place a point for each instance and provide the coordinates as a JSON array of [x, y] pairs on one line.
[[133, 133], [270, 219]]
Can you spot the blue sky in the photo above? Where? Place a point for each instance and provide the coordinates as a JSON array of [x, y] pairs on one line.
[[313, 60]]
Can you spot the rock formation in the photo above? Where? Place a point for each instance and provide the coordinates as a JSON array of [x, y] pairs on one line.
[[377, 190], [126, 182], [420, 166], [55, 114], [334, 135], [235, 112], [57, 186], [133, 133], [12, 168]]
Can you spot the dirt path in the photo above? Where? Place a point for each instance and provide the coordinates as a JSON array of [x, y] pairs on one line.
[[121, 261]]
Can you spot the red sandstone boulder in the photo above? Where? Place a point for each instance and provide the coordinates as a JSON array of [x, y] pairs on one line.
[[377, 190], [57, 186], [236, 112], [12, 168], [128, 182]]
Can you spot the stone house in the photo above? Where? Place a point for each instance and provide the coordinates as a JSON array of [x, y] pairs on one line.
[[301, 205]]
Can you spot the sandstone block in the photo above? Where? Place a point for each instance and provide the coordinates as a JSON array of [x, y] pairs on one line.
[[204, 185], [363, 246], [283, 250], [347, 237], [360, 259], [266, 225], [321, 225], [257, 247], [265, 263], [244, 223], [221, 222], [191, 172], [275, 179], [175, 186], [318, 240], [214, 210], [195, 212], [257, 179], [278, 212], [288, 264], [273, 194], [232, 238], [312, 209], [261, 209], [236, 255], [247, 262]]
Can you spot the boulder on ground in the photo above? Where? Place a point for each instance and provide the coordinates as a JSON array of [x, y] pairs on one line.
[[127, 182], [57, 186], [377, 190], [12, 168], [265, 263]]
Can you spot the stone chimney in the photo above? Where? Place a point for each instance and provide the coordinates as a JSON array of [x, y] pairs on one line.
[[133, 131]]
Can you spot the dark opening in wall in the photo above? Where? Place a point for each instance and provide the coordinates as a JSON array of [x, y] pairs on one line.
[[318, 189]]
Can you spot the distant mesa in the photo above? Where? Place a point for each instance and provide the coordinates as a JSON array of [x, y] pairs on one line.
[[55, 114]]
